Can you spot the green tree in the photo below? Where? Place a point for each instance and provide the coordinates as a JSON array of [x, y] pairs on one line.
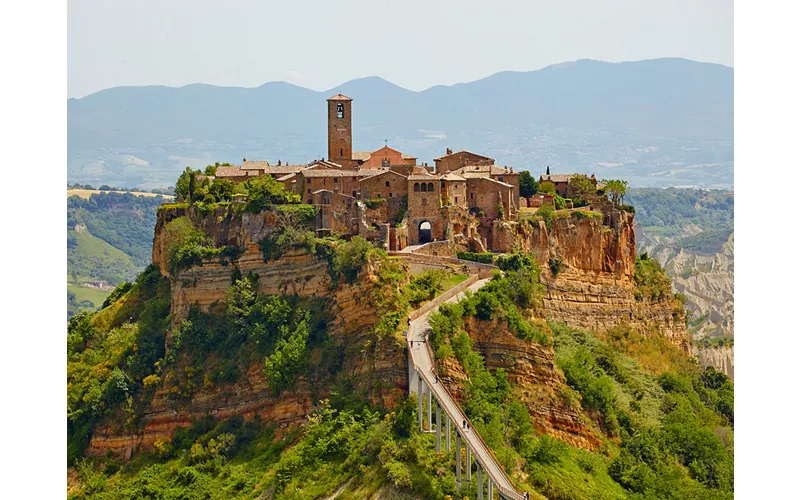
[[527, 184], [582, 190], [221, 189], [264, 191], [351, 256], [547, 187], [211, 169], [616, 190], [185, 186]]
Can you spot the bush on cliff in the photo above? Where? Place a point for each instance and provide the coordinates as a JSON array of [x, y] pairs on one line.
[[264, 191], [351, 256], [652, 282]]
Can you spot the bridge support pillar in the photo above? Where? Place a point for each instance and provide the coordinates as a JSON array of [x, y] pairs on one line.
[[430, 413], [469, 464], [419, 400], [480, 482], [491, 492], [447, 440], [458, 462], [438, 429]]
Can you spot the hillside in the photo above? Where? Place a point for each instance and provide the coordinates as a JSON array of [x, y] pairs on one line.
[[254, 359], [662, 122], [109, 239]]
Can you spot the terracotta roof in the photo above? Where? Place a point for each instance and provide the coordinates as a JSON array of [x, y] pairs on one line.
[[556, 177], [361, 155], [339, 97], [332, 192], [379, 173], [324, 163], [409, 157], [489, 179], [463, 152], [452, 177], [251, 165], [287, 177], [284, 169], [229, 172], [338, 173]]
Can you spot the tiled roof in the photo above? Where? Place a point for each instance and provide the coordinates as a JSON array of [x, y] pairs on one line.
[[557, 177], [338, 173], [251, 165], [284, 169], [483, 170], [339, 97], [377, 173], [423, 177], [489, 179], [229, 172], [453, 177], [463, 152], [361, 155], [409, 157], [286, 177]]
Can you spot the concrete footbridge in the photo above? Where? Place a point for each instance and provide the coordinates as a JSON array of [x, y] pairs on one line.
[[434, 399]]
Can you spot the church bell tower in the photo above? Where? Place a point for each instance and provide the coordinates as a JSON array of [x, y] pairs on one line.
[[340, 129]]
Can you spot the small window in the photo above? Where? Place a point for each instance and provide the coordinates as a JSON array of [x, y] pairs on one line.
[[335, 180], [390, 195], [340, 110], [309, 191], [430, 187], [354, 194], [341, 152], [472, 196], [442, 185], [416, 187], [387, 184], [456, 200]]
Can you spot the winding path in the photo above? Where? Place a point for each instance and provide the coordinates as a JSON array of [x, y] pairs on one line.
[[422, 363]]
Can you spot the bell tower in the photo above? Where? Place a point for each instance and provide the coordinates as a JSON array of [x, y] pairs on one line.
[[340, 130]]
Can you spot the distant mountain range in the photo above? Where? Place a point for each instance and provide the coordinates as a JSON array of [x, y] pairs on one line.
[[656, 123]]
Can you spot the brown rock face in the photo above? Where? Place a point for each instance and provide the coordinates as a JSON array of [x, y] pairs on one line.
[[531, 370], [372, 366], [594, 287]]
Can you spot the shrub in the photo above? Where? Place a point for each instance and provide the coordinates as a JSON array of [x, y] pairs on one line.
[[351, 256], [546, 213], [483, 257], [559, 202], [555, 265], [264, 191], [118, 292]]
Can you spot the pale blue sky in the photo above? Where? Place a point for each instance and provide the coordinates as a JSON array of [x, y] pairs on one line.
[[413, 43]]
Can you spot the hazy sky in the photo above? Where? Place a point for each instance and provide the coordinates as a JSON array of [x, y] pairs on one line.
[[413, 43]]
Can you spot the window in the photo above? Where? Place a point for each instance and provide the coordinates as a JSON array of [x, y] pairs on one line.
[[441, 185], [500, 178], [472, 196], [340, 110], [354, 194], [416, 187], [430, 187], [424, 188], [390, 195], [387, 184], [456, 200], [341, 152], [335, 180]]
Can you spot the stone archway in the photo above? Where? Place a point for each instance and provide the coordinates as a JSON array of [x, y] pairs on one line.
[[425, 232]]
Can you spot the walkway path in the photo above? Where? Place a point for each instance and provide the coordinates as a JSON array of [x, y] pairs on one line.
[[423, 362]]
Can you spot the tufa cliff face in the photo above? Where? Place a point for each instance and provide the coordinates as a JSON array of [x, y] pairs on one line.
[[588, 268], [373, 367]]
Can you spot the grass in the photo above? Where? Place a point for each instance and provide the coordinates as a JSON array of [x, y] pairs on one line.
[[91, 294], [451, 281], [86, 193], [95, 259]]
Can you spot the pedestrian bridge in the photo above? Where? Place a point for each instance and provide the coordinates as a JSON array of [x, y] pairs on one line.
[[433, 398]]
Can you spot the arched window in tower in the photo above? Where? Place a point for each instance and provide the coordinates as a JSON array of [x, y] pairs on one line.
[[424, 188], [416, 187], [340, 110], [430, 187]]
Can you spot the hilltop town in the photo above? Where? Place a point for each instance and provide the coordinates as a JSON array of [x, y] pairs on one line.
[[387, 197]]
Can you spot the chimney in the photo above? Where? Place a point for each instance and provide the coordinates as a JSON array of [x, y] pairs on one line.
[[244, 159]]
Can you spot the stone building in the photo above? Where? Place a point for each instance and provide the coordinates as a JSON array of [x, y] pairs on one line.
[[561, 182], [453, 161]]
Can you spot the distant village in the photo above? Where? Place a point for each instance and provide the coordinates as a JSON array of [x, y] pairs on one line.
[[386, 196]]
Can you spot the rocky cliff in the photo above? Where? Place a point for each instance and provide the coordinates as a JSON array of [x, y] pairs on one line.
[[721, 358], [588, 266], [373, 367]]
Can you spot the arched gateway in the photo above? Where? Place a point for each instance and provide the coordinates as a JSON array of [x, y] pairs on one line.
[[424, 232]]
